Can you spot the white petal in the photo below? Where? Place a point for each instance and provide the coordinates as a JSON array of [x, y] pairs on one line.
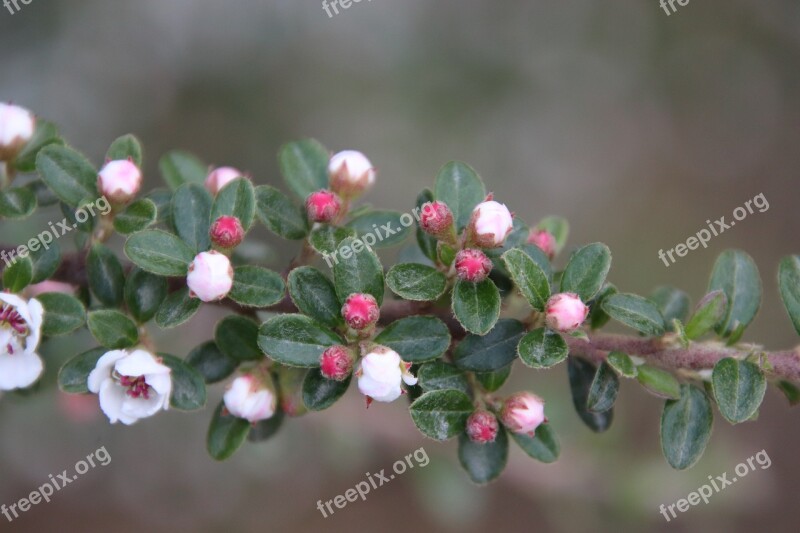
[[102, 370], [111, 398], [19, 370], [142, 407], [139, 363], [36, 315], [14, 301]]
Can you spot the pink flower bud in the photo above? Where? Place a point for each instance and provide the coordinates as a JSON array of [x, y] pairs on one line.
[[482, 426], [17, 126], [220, 177], [472, 265], [490, 224], [565, 312], [523, 412], [336, 363], [50, 286], [436, 219], [251, 398], [381, 373], [350, 173], [227, 232], [360, 311], [119, 181], [210, 276], [323, 206], [544, 240]]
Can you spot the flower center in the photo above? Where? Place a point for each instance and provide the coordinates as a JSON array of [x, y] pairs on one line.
[[10, 316], [137, 386]]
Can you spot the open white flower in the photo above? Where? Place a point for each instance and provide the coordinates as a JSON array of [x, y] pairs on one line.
[[250, 398], [381, 372], [20, 329], [131, 385]]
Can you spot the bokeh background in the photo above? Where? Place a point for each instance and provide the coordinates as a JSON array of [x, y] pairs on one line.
[[635, 125]]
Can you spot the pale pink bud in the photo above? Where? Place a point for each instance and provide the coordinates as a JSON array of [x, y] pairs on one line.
[[482, 426], [119, 181], [361, 311], [544, 240], [472, 265], [351, 173], [523, 412], [17, 126], [490, 224], [50, 286], [220, 177], [210, 276], [336, 363], [227, 232], [249, 397], [565, 312], [436, 219], [323, 206]]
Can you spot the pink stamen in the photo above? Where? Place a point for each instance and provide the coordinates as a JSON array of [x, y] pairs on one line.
[[137, 386], [10, 315]]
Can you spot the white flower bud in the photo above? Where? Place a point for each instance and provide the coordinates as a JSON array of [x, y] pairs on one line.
[[565, 312], [490, 224], [119, 181], [381, 373], [210, 276], [220, 177], [17, 126], [250, 398], [351, 173]]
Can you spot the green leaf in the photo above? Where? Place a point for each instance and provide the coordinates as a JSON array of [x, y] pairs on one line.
[[144, 294], [327, 239], [277, 212], [319, 392], [67, 173], [237, 337], [106, 278], [17, 202], [163, 200], [790, 390], [357, 271], [112, 329], [736, 274], [492, 381], [483, 462], [635, 312], [226, 433], [62, 313], [739, 388], [789, 285], [211, 363], [314, 295], [264, 429], [427, 243], [686, 427], [46, 134], [188, 386], [45, 262], [295, 340], [672, 303], [18, 275], [416, 282], [238, 199], [558, 227], [191, 212], [539, 257], [622, 364], [441, 414], [603, 391], [543, 447], [386, 227], [597, 317], [476, 305], [542, 348], [178, 167], [460, 187], [256, 286], [581, 376], [659, 382], [136, 217], [587, 270], [44, 196], [438, 375], [159, 252], [416, 338], [707, 314], [127, 146], [304, 166], [490, 352], [529, 278], [176, 309], [73, 377]]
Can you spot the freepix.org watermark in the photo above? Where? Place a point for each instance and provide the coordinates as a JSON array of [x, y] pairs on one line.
[[719, 226], [13, 6], [45, 238], [99, 457], [331, 7], [718, 483], [373, 481]]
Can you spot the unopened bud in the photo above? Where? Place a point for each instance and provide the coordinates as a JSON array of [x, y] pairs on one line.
[[250, 397], [336, 363], [436, 219], [17, 126], [210, 276], [323, 206], [360, 311], [227, 232], [545, 241], [490, 224], [119, 181], [472, 265], [220, 177], [351, 173], [482, 426], [565, 312], [522, 413]]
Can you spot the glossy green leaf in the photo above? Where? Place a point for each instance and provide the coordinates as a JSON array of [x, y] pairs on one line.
[[739, 388], [416, 282], [46, 133], [659, 382], [623, 364], [543, 446], [385, 227], [707, 315], [188, 386], [416, 338], [736, 274], [106, 278], [459, 186], [597, 317], [438, 375], [304, 166], [74, 375], [327, 239], [238, 199], [672, 303], [18, 275], [295, 340], [255, 286], [490, 352], [127, 146], [177, 309], [237, 337], [441, 414], [789, 285], [319, 392], [68, 174], [492, 381], [191, 216], [542, 348], [277, 212], [483, 462], [112, 329], [136, 217], [635, 312], [144, 294], [159, 252], [357, 271], [476, 305], [45, 262], [226, 433], [529, 278], [686, 427], [587, 270], [211, 363], [17, 203], [62, 313], [314, 295], [178, 167], [604, 389], [581, 376]]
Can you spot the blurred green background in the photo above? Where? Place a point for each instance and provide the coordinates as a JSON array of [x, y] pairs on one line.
[[635, 125]]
